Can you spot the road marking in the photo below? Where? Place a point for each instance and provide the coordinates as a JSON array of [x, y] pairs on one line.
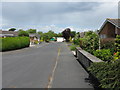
[[12, 87], [53, 72]]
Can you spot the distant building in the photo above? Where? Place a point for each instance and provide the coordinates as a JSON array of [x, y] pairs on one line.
[[82, 34], [60, 39], [8, 33], [34, 37], [109, 30]]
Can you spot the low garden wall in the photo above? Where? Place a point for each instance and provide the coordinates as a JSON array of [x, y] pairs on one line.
[[86, 58], [12, 43]]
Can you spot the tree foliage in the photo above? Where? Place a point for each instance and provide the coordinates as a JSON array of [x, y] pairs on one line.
[[66, 34], [12, 29], [59, 35], [90, 42], [23, 33], [31, 30], [73, 34]]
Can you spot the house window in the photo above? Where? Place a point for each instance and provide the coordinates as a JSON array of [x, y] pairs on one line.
[[103, 36]]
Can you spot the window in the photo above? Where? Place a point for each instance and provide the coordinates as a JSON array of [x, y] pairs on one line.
[[103, 36]]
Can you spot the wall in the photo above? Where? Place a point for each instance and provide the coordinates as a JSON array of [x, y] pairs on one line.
[[86, 58]]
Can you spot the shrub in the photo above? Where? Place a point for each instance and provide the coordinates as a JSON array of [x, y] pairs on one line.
[[109, 45], [107, 73], [103, 54], [117, 56], [76, 41], [90, 42], [12, 43], [117, 43], [36, 42]]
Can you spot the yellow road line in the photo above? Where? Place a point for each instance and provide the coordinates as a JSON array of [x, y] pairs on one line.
[[53, 72], [12, 87]]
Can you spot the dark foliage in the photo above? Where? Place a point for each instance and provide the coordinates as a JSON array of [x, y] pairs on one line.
[[66, 34]]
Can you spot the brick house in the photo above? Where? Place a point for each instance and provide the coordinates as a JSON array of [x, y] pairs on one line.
[[109, 30]]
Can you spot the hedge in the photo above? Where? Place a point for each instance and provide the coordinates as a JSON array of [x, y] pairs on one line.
[[107, 73], [12, 43], [103, 54]]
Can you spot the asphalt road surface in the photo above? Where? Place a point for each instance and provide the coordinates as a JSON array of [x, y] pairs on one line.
[[48, 65]]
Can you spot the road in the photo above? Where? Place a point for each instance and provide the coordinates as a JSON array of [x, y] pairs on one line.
[[49, 65]]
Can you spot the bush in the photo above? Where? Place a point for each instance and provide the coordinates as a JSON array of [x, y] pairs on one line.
[[116, 56], [103, 54], [109, 45], [90, 42], [117, 43], [76, 41], [36, 42], [12, 43], [107, 73]]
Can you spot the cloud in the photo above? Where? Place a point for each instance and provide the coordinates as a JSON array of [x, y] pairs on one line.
[[57, 15], [60, 0]]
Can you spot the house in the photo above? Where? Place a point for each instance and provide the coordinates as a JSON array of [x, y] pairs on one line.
[[34, 38], [8, 33], [60, 39], [82, 34], [109, 30]]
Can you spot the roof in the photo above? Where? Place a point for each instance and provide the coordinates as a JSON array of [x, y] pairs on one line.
[[82, 34], [34, 35], [115, 22], [9, 32]]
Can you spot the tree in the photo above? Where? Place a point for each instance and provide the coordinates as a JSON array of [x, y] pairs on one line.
[[73, 33], [46, 37], [31, 30], [51, 34], [12, 29], [66, 34], [23, 33], [59, 35], [40, 33]]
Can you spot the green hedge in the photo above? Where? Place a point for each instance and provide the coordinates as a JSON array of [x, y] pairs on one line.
[[107, 73], [12, 43]]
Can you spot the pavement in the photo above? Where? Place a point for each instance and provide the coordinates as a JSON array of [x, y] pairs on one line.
[[48, 65]]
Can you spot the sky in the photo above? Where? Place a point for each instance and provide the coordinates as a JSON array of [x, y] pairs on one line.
[[56, 16]]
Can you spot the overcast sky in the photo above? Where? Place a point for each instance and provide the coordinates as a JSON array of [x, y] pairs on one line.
[[44, 16]]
